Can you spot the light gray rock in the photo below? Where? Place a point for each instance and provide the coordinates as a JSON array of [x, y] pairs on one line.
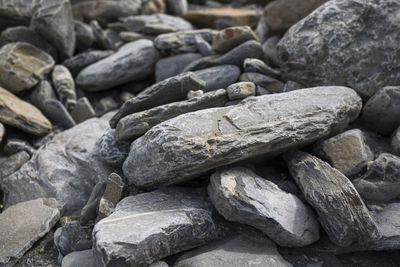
[[64, 85], [192, 94], [261, 126], [174, 65], [229, 38], [270, 50], [11, 164], [159, 264], [111, 196], [141, 22], [259, 66], [342, 213], [83, 110], [218, 77], [242, 196], [83, 35], [16, 12], [396, 141], [79, 258], [345, 46], [133, 61], [150, 226], [268, 83], [58, 114], [241, 90], [23, 224], [112, 151], [130, 36], [177, 7]]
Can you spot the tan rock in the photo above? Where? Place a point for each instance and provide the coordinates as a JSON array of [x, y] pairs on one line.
[[231, 37]]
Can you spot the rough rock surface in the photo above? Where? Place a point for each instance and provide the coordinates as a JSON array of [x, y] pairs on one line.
[[112, 150], [16, 12]]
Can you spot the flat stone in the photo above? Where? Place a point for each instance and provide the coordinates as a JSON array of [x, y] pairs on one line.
[[23, 224], [58, 114], [141, 22], [16, 12], [79, 259], [231, 37], [342, 213], [157, 28], [84, 35], [261, 126], [151, 226], [259, 66], [133, 61], [136, 124], [113, 151], [177, 7], [130, 36], [64, 85], [396, 141], [170, 66], [242, 196], [345, 46], [22, 66], [83, 110], [218, 77], [241, 90], [72, 237], [11, 164], [111, 196], [268, 83]]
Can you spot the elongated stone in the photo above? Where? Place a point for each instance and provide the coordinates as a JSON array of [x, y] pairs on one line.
[[261, 126], [82, 60], [218, 77], [231, 37], [64, 85]]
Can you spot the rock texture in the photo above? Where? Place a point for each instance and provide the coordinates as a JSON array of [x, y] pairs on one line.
[[231, 37]]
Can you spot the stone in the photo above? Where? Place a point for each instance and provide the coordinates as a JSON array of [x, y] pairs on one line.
[[344, 56], [156, 28], [259, 66], [205, 18], [193, 94], [67, 168], [236, 57], [22, 115], [84, 36], [218, 77], [204, 47], [113, 150], [107, 39], [16, 12], [82, 60], [133, 61], [292, 86], [262, 31], [381, 113], [170, 66], [241, 90], [111, 196], [79, 259], [342, 213], [42, 92], [177, 7], [150, 226], [268, 83], [2, 132], [58, 114], [134, 125], [263, 126], [141, 22], [130, 36], [15, 145], [125, 96], [23, 224], [382, 181], [105, 105], [270, 50], [229, 38], [167, 91], [346, 152], [11, 164], [72, 237], [242, 196], [22, 66], [64, 85], [396, 141], [388, 224], [83, 110], [159, 264], [153, 7], [89, 211]]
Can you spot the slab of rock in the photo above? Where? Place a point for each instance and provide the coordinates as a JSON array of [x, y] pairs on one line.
[[345, 46], [111, 196], [11, 164], [150, 226], [174, 65], [261, 126], [341, 211], [218, 77], [89, 211], [82, 60], [144, 23], [231, 37], [64, 85], [79, 259], [133, 61], [136, 124], [242, 196], [23, 224]]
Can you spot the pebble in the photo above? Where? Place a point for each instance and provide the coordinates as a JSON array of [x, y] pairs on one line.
[[83, 110], [241, 90], [229, 38], [268, 83], [259, 66], [84, 35], [58, 114], [203, 47]]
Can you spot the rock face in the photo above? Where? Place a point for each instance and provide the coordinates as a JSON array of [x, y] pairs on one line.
[[242, 196], [341, 211], [354, 54], [150, 226], [23, 224], [231, 37], [133, 61], [262, 126]]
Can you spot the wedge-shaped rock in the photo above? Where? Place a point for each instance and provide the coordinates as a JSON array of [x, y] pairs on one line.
[[341, 211], [242, 196], [194, 143], [150, 226]]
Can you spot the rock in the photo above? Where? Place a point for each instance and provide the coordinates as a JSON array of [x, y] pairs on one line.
[[14, 146], [83, 110], [342, 213], [65, 86], [388, 224], [22, 115], [111, 196], [344, 56], [157, 28], [133, 61], [259, 66], [193, 94], [281, 14], [125, 96], [241, 90], [41, 93], [381, 113], [159, 264], [229, 38], [105, 105], [11, 164], [58, 114], [140, 23], [167, 91], [23, 224], [396, 141], [292, 86], [150, 226], [270, 51], [218, 77], [268, 83], [174, 65], [382, 181], [72, 237], [79, 259], [71, 156], [221, 136], [130, 36], [2, 132], [83, 35], [242, 196], [22, 66], [136, 124], [113, 151], [153, 6], [89, 211], [101, 37], [177, 7], [16, 12], [206, 17], [262, 30], [346, 152], [204, 47]]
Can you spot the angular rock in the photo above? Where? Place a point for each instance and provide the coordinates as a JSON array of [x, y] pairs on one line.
[[174, 65], [259, 66], [218, 77], [150, 226], [342, 213], [177, 7], [396, 141], [261, 126], [12, 163], [72, 237], [42, 93], [16, 12], [268, 83], [131, 62], [241, 90], [83, 35], [111, 196], [83, 110], [64, 85], [113, 151], [229, 38], [89, 211], [58, 114], [79, 259], [345, 46], [388, 224]]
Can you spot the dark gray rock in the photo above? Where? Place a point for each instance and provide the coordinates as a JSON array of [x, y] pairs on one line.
[[241, 90], [229, 38], [64, 85], [14, 145], [105, 105], [104, 41], [111, 196], [11, 164], [396, 141], [82, 60], [83, 110], [270, 51], [291, 86], [177, 7], [58, 114], [218, 77], [72, 237], [16, 12], [79, 259], [259, 66], [112, 151], [83, 35], [41, 93], [144, 23], [174, 65], [268, 83], [2, 131], [261, 126], [89, 211], [203, 46]]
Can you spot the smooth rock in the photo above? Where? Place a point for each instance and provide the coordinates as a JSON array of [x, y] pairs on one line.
[[83, 35], [218, 77], [157, 28], [83, 110], [170, 66], [241, 90], [64, 85], [177, 7], [113, 151], [268, 83], [111, 196], [130, 36], [89, 211], [259, 66], [41, 93], [231, 37], [79, 259], [262, 126], [15, 145], [204, 47], [11, 164], [396, 141], [58, 114]]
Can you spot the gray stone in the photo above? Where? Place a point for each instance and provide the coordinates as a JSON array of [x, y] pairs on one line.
[[241, 90], [113, 151], [16, 12], [156, 28], [262, 31], [167, 91], [150, 7], [231, 37], [141, 22], [219, 76], [111, 196], [125, 96], [41, 93], [130, 36], [177, 7], [83, 35], [79, 259], [270, 51], [64, 85], [174, 65], [102, 39], [292, 86], [242, 196], [261, 126], [11, 164], [345, 46], [23, 224], [159, 264], [342, 213], [89, 211], [204, 47], [133, 61], [136, 124], [150, 226], [58, 114], [346, 152], [396, 141], [83, 110], [259, 66], [72, 237], [105, 105], [268, 83], [193, 94], [14, 145], [2, 132]]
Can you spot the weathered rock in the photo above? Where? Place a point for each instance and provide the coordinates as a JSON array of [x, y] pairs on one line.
[[174, 65], [229, 38], [111, 196], [262, 126], [150, 226], [22, 66], [15, 145], [136, 124], [177, 7], [58, 114], [23, 224], [259, 66], [83, 35], [11, 164], [112, 151], [41, 93], [268, 83], [140, 23], [342, 213], [345, 46], [204, 47], [89, 211], [241, 90], [218, 77], [79, 259], [396, 141], [72, 237], [83, 110], [64, 85], [16, 12], [131, 62], [169, 90], [242, 196]]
